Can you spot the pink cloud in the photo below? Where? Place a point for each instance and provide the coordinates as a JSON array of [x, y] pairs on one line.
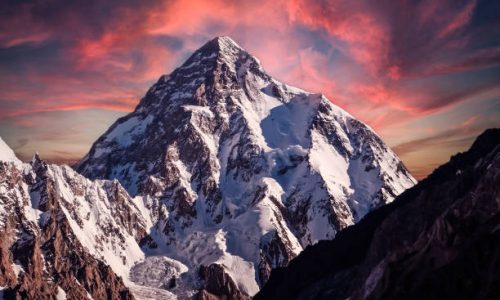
[[125, 51], [352, 23], [459, 20]]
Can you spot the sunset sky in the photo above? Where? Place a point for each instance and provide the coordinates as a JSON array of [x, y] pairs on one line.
[[424, 74]]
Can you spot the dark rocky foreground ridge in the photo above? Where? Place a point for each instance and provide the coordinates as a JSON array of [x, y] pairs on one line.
[[438, 240]]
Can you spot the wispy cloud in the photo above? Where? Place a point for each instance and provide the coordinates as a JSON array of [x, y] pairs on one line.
[[459, 135]]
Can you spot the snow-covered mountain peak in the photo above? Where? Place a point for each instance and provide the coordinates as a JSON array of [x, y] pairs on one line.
[[6, 153], [217, 51], [221, 46], [240, 170], [226, 43]]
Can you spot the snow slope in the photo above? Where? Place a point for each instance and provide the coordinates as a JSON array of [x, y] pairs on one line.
[[6, 153], [103, 221], [439, 240], [241, 170]]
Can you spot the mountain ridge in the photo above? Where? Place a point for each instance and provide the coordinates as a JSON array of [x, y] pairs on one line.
[[219, 175], [219, 145], [458, 201]]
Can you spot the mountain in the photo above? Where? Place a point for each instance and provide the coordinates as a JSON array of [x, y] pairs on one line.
[[63, 235], [6, 154], [438, 240], [238, 172]]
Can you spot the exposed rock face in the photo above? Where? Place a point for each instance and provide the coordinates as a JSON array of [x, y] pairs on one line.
[[218, 284], [51, 245], [438, 240], [240, 170]]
